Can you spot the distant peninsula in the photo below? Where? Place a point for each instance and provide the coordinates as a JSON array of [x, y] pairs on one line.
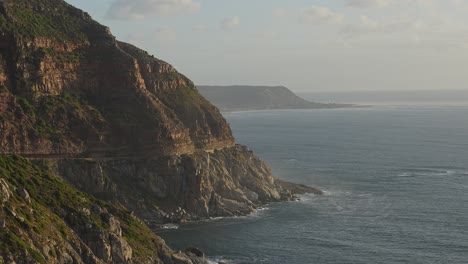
[[243, 98]]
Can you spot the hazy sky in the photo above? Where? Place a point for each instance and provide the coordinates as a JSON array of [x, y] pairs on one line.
[[306, 45]]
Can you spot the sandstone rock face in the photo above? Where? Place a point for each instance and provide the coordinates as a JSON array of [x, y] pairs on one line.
[[227, 182], [80, 92], [108, 245]]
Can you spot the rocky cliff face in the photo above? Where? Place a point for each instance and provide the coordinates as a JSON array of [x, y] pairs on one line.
[[44, 220], [117, 123], [73, 89], [226, 182]]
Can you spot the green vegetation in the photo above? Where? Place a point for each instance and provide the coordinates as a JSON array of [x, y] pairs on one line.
[[49, 113], [56, 210], [11, 243], [34, 18], [26, 106], [191, 108], [58, 56], [172, 76]]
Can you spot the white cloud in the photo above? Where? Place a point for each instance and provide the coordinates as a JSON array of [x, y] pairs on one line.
[[230, 23], [141, 9], [404, 32], [319, 15], [368, 25], [368, 3], [386, 3], [434, 26]]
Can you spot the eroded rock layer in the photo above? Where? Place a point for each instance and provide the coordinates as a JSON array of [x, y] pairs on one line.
[[227, 182], [77, 91]]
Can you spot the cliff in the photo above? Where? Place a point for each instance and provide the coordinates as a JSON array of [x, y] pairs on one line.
[[119, 124], [68, 87], [227, 182], [44, 220], [243, 98]]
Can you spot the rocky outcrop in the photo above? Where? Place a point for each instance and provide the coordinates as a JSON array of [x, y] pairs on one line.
[[227, 182], [23, 193], [5, 192], [108, 244], [298, 188], [58, 224]]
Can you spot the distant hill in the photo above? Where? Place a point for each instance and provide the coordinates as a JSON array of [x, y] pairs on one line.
[[237, 98]]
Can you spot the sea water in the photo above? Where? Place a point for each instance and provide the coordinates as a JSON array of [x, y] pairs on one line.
[[395, 182]]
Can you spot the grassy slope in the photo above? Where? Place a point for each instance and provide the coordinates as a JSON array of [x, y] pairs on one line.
[[56, 211], [31, 19]]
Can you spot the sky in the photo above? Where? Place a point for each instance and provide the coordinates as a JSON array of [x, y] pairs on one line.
[[306, 45]]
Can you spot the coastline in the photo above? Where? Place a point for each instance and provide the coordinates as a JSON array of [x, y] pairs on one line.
[[292, 193]]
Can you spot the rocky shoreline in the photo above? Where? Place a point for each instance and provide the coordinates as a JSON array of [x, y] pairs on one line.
[[178, 189], [176, 222]]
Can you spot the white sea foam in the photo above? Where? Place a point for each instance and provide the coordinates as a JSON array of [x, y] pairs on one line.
[[405, 174], [259, 212], [217, 259], [311, 198], [170, 226], [431, 172]]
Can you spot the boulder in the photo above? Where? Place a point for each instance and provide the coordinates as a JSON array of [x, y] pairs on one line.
[[5, 192], [196, 251], [24, 194]]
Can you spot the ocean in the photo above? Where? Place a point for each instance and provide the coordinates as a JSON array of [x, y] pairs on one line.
[[395, 181]]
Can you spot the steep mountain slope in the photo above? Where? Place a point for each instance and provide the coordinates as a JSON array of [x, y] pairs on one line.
[[118, 123], [44, 220], [242, 98], [70, 88]]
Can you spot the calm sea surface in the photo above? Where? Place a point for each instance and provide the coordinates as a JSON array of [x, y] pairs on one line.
[[396, 183]]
